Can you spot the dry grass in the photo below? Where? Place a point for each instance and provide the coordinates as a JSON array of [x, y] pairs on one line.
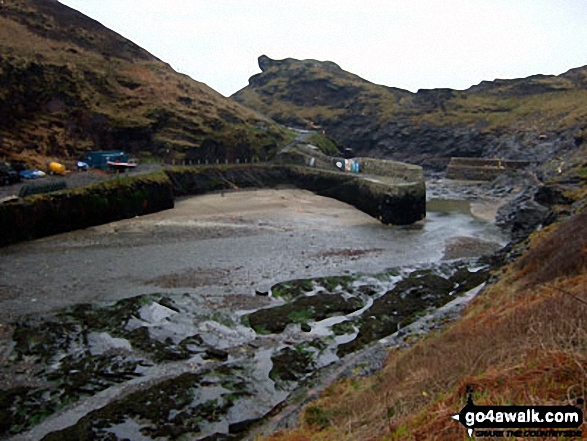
[[555, 103], [59, 62], [523, 341], [561, 254]]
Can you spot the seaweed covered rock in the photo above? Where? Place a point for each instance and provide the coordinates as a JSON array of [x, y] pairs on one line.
[[316, 307]]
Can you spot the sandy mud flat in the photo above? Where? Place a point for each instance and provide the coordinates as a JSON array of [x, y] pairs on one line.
[[220, 244], [225, 305]]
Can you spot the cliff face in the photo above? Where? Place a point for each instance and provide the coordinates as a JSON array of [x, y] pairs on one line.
[[535, 118], [68, 84]]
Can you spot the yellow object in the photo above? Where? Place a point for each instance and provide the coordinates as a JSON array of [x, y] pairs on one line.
[[57, 168]]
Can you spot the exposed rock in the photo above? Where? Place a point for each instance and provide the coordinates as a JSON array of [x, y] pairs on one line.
[[102, 342], [316, 307], [155, 313], [411, 296], [428, 127], [523, 214], [291, 364], [551, 195]]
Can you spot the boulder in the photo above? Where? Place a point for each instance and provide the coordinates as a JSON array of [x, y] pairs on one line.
[[523, 214]]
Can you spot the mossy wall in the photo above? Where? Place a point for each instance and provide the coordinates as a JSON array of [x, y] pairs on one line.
[[398, 204], [199, 180], [43, 215]]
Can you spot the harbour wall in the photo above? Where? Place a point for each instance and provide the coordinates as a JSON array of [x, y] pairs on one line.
[[67, 210]]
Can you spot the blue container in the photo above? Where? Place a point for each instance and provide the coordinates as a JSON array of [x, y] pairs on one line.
[[98, 159]]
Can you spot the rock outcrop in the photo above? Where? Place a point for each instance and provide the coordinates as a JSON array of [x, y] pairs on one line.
[[532, 119], [524, 214]]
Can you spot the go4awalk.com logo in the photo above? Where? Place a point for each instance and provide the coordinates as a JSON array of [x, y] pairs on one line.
[[521, 421]]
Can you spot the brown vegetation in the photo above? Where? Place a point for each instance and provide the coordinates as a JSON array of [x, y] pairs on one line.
[[68, 85], [557, 255], [523, 341], [309, 92]]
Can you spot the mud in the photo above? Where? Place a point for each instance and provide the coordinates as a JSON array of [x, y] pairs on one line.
[[218, 244], [199, 321]]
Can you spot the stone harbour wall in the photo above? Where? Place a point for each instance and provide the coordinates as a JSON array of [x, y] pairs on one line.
[[43, 215], [397, 170], [480, 169], [397, 204], [53, 213]]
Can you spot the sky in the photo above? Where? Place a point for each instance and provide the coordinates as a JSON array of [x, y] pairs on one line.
[[410, 44]]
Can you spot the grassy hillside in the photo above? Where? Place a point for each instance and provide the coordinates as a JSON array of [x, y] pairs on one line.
[[522, 341], [504, 118], [316, 92], [310, 92], [68, 84]]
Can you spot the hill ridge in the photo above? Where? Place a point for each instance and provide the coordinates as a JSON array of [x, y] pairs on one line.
[[71, 84], [503, 118]]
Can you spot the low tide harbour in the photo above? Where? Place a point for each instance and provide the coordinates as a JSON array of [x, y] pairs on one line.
[[223, 305]]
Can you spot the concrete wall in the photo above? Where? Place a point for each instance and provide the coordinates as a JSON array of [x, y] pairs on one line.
[[400, 204], [67, 210], [480, 169], [468, 173], [393, 169], [391, 204], [400, 171]]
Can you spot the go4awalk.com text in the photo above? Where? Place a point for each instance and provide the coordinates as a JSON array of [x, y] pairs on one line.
[[521, 421]]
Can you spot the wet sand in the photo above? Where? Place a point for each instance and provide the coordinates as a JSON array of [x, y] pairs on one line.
[[219, 249], [487, 209], [217, 245]]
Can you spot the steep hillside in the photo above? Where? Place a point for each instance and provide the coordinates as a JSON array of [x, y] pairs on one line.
[[68, 84], [521, 341], [535, 118]]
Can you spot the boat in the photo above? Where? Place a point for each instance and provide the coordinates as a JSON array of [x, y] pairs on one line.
[[116, 165]]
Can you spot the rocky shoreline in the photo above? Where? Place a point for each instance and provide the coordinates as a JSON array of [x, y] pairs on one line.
[[219, 367], [152, 359], [79, 369]]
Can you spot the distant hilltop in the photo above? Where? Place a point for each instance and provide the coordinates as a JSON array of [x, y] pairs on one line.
[[266, 63], [534, 118]]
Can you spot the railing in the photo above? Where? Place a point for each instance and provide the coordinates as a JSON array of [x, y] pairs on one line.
[[194, 162]]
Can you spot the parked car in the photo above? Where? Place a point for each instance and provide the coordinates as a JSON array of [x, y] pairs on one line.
[[8, 175], [32, 174]]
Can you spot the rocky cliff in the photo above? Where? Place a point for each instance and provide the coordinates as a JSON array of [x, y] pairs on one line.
[[536, 118], [68, 84]]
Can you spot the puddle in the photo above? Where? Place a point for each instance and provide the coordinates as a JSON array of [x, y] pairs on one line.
[[204, 337], [206, 372]]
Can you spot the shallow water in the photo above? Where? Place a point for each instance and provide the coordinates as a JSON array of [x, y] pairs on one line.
[[208, 257], [236, 244]]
